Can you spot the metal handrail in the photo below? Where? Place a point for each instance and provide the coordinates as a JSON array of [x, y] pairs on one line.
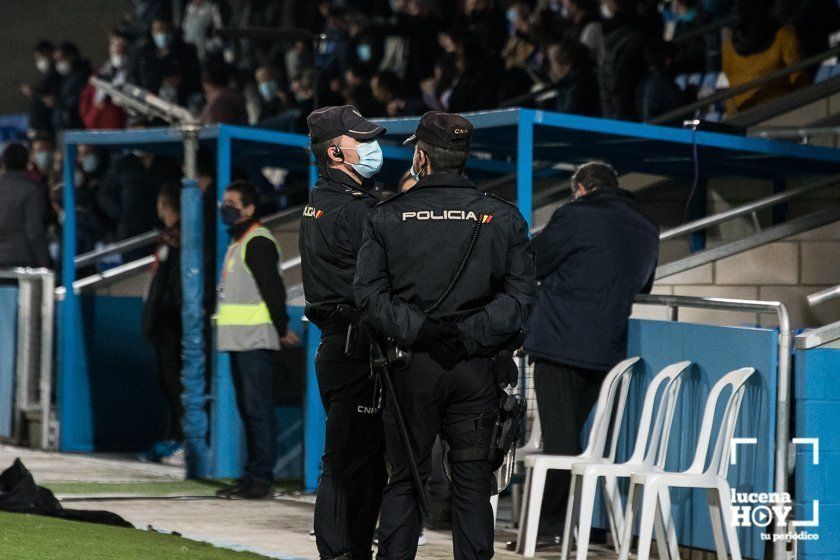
[[783, 383], [118, 247], [825, 334], [151, 237], [804, 132], [824, 296], [689, 109], [748, 208], [708, 28]]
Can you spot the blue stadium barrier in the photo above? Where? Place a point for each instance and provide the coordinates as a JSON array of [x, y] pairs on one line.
[[8, 345], [13, 127], [817, 485], [714, 352]]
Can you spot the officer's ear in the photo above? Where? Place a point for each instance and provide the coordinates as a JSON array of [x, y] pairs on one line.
[[248, 211], [422, 159], [335, 154]]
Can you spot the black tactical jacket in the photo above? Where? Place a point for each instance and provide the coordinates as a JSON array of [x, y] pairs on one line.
[[330, 237], [413, 245]]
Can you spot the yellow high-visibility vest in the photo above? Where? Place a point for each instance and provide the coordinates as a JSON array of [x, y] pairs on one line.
[[243, 321]]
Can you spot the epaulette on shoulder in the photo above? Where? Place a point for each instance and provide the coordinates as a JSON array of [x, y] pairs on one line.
[[353, 192]]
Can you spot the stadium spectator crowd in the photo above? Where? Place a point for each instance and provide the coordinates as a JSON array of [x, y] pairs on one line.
[[611, 58]]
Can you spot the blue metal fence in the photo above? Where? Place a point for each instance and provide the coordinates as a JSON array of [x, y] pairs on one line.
[[8, 344]]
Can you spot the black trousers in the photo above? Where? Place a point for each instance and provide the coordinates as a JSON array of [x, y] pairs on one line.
[[565, 396], [353, 464], [169, 361], [253, 381], [432, 398]]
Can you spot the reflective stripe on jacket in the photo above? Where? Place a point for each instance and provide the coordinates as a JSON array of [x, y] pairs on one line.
[[243, 321]]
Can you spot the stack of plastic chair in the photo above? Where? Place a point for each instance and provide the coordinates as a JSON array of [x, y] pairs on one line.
[[609, 409], [652, 488], [648, 455]]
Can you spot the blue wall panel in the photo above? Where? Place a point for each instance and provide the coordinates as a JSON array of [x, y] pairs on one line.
[[127, 405], [715, 351], [8, 344], [817, 415]]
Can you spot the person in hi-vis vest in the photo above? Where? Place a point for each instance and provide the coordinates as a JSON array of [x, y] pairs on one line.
[[251, 323]]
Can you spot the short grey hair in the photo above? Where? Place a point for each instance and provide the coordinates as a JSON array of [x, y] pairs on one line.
[[594, 175]]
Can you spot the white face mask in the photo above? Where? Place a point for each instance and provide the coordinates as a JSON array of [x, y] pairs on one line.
[[63, 67], [606, 12], [43, 65], [118, 60]]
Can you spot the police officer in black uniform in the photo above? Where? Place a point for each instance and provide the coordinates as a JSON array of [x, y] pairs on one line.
[[408, 288], [349, 492]]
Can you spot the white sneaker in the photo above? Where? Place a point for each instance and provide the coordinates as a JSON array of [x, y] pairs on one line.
[[177, 458], [421, 540]]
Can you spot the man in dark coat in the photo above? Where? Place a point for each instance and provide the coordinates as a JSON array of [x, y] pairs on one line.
[[594, 256], [162, 311], [23, 240]]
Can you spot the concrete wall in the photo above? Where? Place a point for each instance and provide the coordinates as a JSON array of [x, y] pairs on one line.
[[786, 271], [84, 22]]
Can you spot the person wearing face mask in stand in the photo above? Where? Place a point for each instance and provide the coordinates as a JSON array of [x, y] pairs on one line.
[[95, 107], [74, 72], [42, 94], [164, 56], [348, 156], [252, 324], [272, 98]]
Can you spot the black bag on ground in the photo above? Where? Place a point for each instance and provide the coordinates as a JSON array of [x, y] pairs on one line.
[[20, 494]]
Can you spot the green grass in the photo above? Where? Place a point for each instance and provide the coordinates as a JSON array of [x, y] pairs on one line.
[[183, 488], [34, 537]]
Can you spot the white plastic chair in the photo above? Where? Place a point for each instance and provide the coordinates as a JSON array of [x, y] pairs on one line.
[[649, 453], [655, 486], [612, 397]]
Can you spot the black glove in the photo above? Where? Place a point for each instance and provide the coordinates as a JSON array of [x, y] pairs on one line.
[[449, 353], [433, 334], [507, 370]]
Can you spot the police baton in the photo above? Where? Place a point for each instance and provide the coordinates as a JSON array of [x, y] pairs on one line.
[[380, 364]]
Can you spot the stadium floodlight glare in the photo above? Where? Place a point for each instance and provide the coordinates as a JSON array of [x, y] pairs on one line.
[[139, 101]]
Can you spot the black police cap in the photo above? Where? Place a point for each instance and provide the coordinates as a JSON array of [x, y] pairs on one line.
[[331, 122], [444, 130]]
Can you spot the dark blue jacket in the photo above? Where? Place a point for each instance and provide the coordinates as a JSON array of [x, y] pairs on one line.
[[593, 257]]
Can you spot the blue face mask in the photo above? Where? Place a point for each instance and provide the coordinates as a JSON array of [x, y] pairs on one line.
[[90, 163], [512, 15], [363, 52], [230, 214], [370, 159], [268, 90], [162, 39], [43, 161]]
